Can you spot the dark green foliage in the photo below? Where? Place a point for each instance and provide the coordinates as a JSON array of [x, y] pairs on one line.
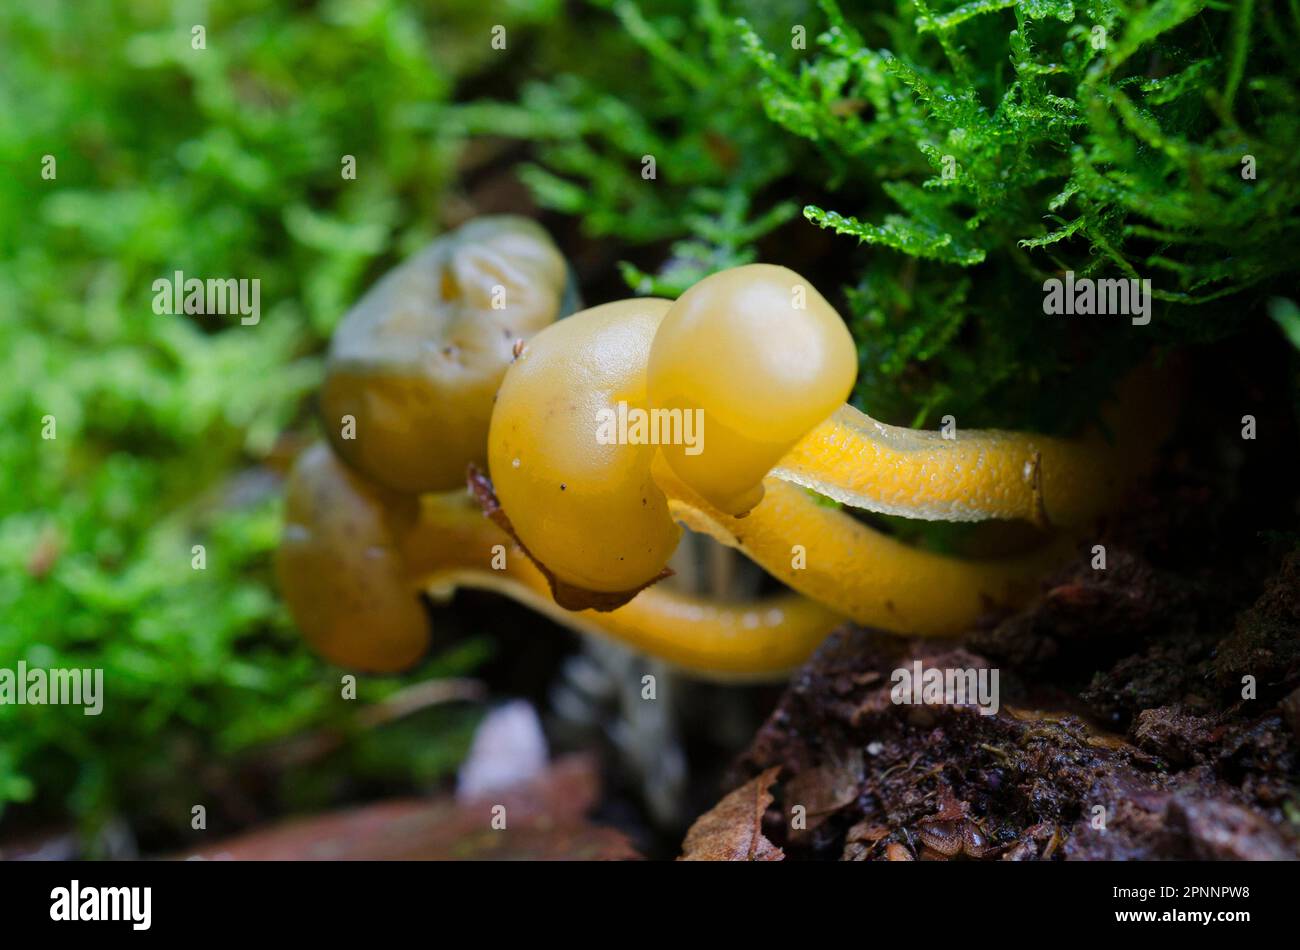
[[970, 151], [673, 89]]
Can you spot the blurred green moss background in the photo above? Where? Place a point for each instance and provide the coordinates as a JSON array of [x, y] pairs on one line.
[[220, 162], [826, 152]]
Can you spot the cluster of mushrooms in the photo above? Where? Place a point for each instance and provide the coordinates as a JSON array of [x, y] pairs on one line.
[[456, 370]]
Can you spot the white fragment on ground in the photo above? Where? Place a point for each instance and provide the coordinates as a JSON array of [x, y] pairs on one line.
[[508, 748]]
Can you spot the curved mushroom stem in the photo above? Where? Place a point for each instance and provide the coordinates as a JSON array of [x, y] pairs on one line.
[[766, 363], [981, 474], [454, 545], [870, 577], [756, 641], [355, 558]]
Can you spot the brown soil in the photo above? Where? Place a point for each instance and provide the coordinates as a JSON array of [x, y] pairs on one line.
[[1126, 728]]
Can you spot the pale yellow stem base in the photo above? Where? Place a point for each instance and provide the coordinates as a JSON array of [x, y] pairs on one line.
[[756, 640]]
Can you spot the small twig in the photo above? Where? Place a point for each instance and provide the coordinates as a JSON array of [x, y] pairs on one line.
[[994, 750]]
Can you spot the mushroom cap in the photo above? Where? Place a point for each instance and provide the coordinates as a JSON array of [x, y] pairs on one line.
[[581, 499], [418, 359], [341, 570], [765, 358]]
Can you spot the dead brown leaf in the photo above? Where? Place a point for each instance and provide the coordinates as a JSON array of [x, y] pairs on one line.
[[733, 829], [545, 820], [826, 789]]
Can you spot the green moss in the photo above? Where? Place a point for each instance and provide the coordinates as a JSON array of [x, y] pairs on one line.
[[962, 153], [220, 163]]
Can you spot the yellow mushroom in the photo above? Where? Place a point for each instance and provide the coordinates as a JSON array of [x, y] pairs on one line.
[[423, 352], [860, 573], [770, 362], [598, 515], [355, 558], [978, 474], [342, 567], [362, 540], [615, 425], [585, 506], [761, 359]]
